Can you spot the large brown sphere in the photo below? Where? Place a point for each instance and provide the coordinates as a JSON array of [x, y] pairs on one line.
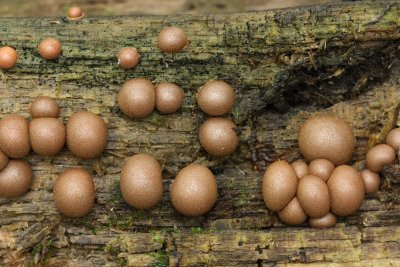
[[279, 185], [327, 137], [8, 57], [74, 192], [371, 180], [218, 136], [141, 181], [216, 98], [44, 106], [137, 98], [346, 189], [50, 48], [379, 156], [393, 139], [313, 196], [293, 214], [14, 136], [86, 135], [194, 190], [128, 57], [16, 178], [169, 97], [300, 168], [172, 40], [322, 168], [47, 136]]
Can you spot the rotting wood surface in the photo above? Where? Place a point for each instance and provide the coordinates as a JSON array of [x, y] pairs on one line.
[[285, 65]]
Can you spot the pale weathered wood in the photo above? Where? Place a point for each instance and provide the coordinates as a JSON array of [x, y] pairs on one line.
[[285, 65]]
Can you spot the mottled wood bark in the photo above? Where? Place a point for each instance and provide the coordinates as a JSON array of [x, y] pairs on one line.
[[285, 65], [40, 8]]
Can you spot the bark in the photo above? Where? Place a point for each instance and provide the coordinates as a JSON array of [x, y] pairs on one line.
[[285, 65], [23, 8]]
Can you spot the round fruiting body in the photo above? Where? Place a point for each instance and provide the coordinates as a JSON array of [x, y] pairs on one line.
[[8, 57], [128, 57], [378, 156], [313, 196], [74, 192], [172, 40], [329, 220], [371, 180], [141, 181], [300, 168], [44, 106], [218, 136], [75, 13], [327, 137], [47, 136], [137, 98], [50, 48], [279, 185], [15, 179], [293, 214], [194, 190], [169, 97], [346, 189], [216, 98], [86, 135], [14, 136], [322, 168], [393, 139]]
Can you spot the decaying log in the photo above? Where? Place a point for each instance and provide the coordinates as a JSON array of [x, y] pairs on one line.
[[285, 65]]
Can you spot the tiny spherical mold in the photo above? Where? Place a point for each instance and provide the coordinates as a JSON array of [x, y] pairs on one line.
[[137, 98], [50, 48], [372, 181], [86, 135], [141, 181], [378, 156], [327, 221], [75, 13], [169, 97], [194, 190], [313, 196], [218, 136], [300, 168], [327, 137], [74, 192], [293, 214], [346, 189], [172, 40], [216, 98], [322, 168], [8, 57], [44, 106], [128, 57], [393, 139], [15, 179], [279, 185], [14, 136], [47, 136]]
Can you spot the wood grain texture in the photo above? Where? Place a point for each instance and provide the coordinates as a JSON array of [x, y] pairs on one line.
[[41, 8], [285, 66]]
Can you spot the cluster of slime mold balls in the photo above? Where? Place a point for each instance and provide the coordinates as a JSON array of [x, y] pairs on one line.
[[326, 187]]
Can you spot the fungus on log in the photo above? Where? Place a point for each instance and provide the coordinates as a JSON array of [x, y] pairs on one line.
[[285, 65]]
